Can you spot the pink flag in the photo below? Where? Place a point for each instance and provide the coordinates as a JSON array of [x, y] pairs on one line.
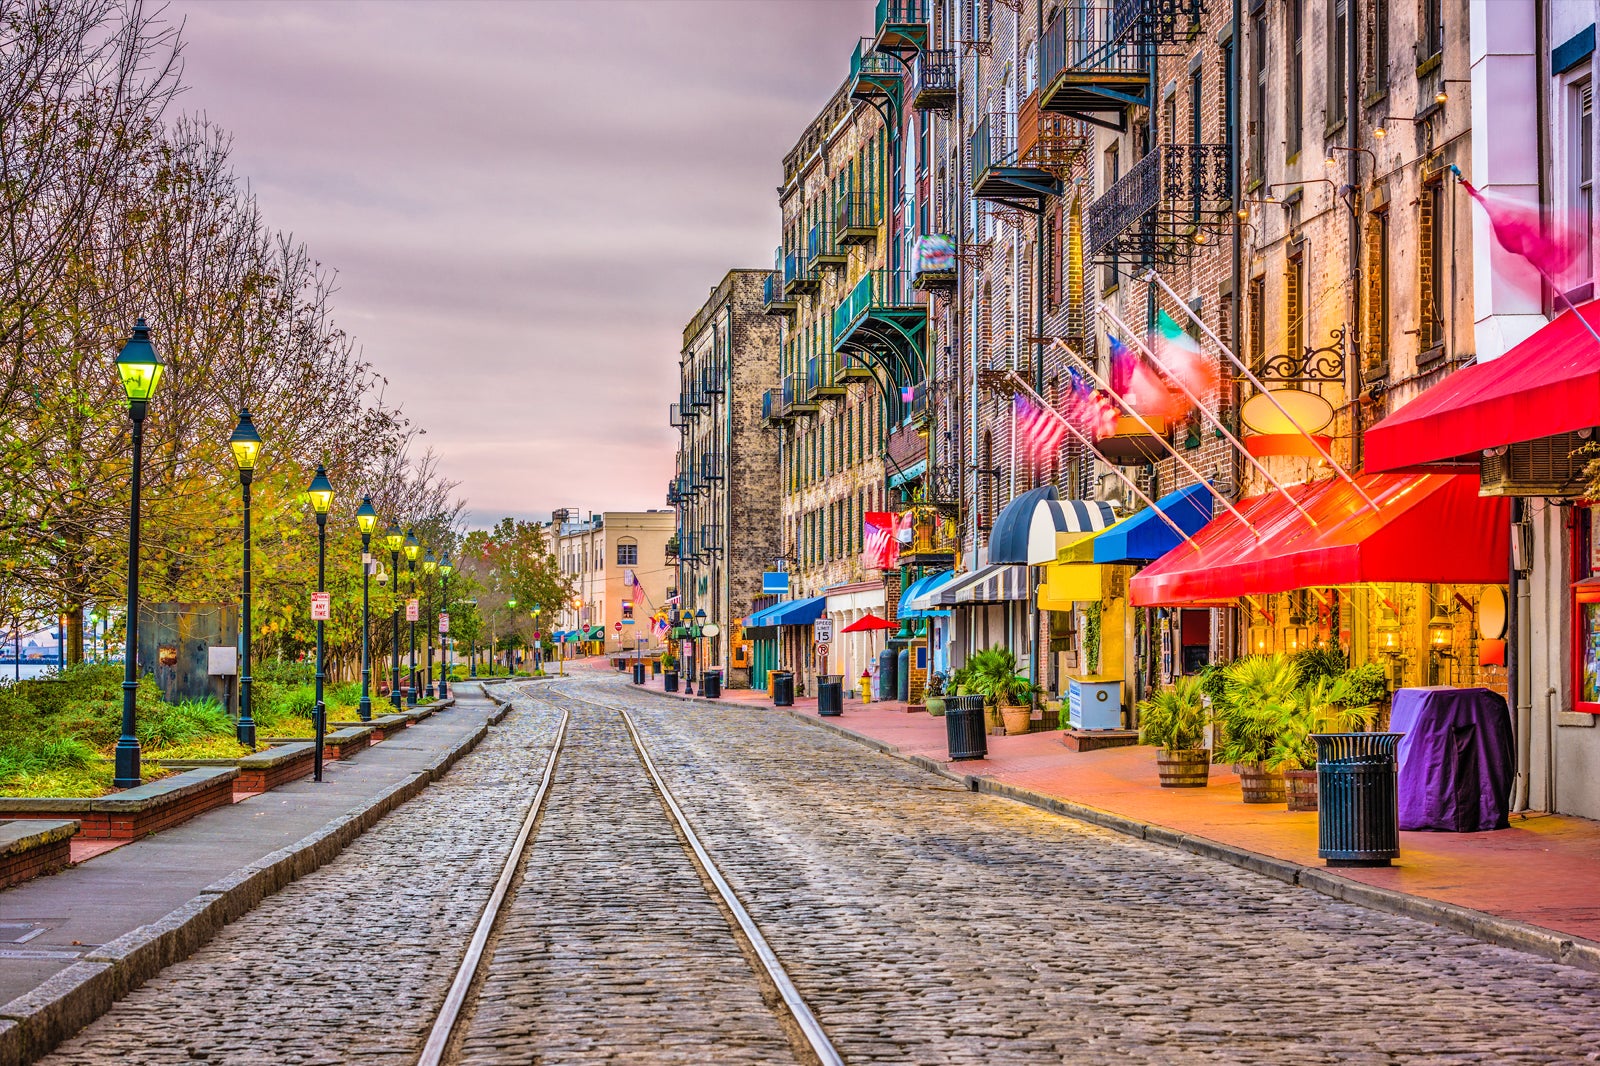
[[1140, 386], [1518, 228]]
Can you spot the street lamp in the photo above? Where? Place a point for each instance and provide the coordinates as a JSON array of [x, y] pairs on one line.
[[366, 521], [445, 566], [413, 548], [139, 368], [538, 640], [246, 446], [430, 566], [394, 540], [321, 493]]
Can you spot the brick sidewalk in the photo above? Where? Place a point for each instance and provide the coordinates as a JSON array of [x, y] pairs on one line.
[[1542, 871]]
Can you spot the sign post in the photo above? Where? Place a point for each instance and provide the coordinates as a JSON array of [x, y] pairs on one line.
[[322, 606]]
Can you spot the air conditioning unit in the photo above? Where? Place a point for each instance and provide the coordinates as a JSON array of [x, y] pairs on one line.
[[1543, 467]]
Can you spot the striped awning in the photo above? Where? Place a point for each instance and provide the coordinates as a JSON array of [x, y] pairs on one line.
[[1027, 530], [995, 583], [917, 601]]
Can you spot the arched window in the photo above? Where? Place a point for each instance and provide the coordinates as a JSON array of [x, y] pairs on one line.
[[987, 473]]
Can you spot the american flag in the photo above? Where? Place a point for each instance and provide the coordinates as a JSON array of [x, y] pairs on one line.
[[1040, 431]]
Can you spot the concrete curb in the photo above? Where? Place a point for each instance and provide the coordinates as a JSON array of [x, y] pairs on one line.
[[33, 1024], [1490, 928]]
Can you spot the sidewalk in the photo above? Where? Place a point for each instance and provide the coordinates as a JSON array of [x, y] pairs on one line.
[[1540, 873], [151, 901]]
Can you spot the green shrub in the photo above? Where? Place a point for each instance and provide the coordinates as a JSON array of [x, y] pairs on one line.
[[184, 723], [287, 674], [1317, 663], [1258, 699], [1362, 686], [1174, 718]]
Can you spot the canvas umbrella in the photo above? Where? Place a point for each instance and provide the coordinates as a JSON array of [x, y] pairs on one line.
[[867, 623]]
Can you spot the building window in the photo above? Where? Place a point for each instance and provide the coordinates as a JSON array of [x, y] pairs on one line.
[[1195, 138], [1430, 280], [1585, 615], [1432, 28], [1376, 347], [1581, 137], [627, 555], [1258, 321], [1338, 59], [1258, 98], [1380, 45], [1294, 303], [1297, 83], [1113, 172]]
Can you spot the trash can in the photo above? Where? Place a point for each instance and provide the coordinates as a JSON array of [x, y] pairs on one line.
[[638, 673], [669, 681], [711, 684], [830, 695], [1358, 805], [965, 727], [655, 667], [783, 688]]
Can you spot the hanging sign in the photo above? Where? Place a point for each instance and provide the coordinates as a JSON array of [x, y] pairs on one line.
[[412, 612], [775, 583], [321, 606], [444, 622]]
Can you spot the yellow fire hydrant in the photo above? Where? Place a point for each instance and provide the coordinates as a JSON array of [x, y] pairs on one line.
[[865, 685]]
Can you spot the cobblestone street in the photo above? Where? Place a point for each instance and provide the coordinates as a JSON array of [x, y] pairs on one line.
[[920, 922]]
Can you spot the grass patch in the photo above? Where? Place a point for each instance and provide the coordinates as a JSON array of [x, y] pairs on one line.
[[208, 748], [72, 782]]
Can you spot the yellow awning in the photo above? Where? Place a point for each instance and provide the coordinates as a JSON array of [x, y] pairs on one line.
[[1079, 547]]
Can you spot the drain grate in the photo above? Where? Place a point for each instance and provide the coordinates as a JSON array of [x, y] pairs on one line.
[[19, 932]]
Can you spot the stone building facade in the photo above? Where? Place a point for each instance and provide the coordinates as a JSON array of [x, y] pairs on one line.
[[724, 491]]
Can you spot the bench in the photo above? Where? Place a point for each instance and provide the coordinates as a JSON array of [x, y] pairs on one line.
[[276, 766], [134, 812], [30, 847]]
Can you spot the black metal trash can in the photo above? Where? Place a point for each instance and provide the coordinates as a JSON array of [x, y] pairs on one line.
[[669, 681], [783, 688], [965, 727], [830, 695], [711, 684], [1358, 803], [655, 667], [638, 673]]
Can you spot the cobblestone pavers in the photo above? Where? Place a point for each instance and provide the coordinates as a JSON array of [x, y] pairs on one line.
[[921, 922], [924, 923], [612, 950], [350, 963]]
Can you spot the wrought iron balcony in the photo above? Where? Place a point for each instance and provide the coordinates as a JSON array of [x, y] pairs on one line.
[[856, 219], [711, 380], [933, 79], [710, 539], [1091, 63], [874, 75], [998, 174], [798, 277], [1148, 213], [877, 292], [902, 26], [773, 302], [672, 492], [698, 397], [711, 466], [675, 416], [822, 249], [795, 398], [773, 407], [822, 377], [686, 548]]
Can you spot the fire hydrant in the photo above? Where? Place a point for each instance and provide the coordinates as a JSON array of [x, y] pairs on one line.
[[865, 685]]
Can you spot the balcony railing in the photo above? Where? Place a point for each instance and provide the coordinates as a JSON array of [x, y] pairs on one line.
[[856, 218], [901, 13], [877, 289], [711, 466], [821, 248], [1146, 212], [933, 79], [798, 276], [772, 298], [710, 539], [675, 416], [823, 377], [795, 398], [865, 62], [992, 145], [711, 379]]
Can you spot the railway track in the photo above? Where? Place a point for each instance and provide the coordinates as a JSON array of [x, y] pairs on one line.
[[542, 940]]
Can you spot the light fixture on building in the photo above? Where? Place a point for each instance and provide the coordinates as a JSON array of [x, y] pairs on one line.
[[1441, 97], [1260, 640], [1388, 628], [1441, 630]]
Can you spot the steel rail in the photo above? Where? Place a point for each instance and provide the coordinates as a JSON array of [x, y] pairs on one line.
[[449, 1014]]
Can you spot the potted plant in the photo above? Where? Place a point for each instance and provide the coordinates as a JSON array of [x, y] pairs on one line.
[[1343, 704], [933, 695], [1174, 720], [1258, 699], [669, 670], [1010, 694]]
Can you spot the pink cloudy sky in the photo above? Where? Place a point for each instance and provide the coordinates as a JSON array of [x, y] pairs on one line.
[[525, 201]]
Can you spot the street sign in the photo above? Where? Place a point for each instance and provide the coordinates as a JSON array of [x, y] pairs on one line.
[[412, 611], [321, 606], [537, 635], [444, 622], [775, 583], [823, 629], [222, 661], [617, 626]]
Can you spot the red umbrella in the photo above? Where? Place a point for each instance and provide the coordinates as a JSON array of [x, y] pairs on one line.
[[868, 623]]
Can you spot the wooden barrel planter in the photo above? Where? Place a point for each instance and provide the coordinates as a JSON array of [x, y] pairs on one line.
[[1260, 785], [1184, 769], [1302, 789]]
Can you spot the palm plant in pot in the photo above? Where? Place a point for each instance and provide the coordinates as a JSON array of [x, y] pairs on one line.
[[1258, 696], [1326, 705], [1008, 693], [933, 694], [1174, 720]]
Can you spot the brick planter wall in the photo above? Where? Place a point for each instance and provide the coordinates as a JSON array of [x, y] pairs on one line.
[[31, 847], [135, 812], [273, 767]]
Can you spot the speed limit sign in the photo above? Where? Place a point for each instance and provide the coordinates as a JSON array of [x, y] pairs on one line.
[[823, 627]]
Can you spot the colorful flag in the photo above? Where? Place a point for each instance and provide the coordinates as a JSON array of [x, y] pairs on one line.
[[1179, 354], [878, 547], [1139, 386], [1039, 431], [1518, 228], [908, 393]]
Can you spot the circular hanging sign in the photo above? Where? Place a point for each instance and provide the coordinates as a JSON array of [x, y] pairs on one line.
[[1307, 412], [1492, 613]]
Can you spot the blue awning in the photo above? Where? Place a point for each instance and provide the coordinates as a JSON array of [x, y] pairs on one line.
[[1145, 536], [798, 612], [763, 617], [914, 602], [1026, 529]]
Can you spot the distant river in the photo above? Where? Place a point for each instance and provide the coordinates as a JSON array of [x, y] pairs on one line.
[[8, 673]]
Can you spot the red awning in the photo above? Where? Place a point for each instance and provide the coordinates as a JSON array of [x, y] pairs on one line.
[[1548, 384], [1428, 528]]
